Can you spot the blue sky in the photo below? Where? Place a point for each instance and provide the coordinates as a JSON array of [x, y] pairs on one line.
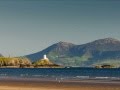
[[28, 26]]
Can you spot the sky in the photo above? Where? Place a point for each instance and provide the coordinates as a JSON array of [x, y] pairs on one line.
[[29, 26]]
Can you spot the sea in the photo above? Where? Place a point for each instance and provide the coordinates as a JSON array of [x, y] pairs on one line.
[[60, 73]]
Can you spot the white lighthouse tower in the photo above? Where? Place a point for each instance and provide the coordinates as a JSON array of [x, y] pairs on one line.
[[45, 57]]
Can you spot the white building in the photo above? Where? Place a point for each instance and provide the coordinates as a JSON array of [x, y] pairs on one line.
[[45, 57]]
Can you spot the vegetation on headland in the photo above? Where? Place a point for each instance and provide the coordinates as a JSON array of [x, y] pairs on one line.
[[45, 63], [14, 62], [105, 66], [22, 62]]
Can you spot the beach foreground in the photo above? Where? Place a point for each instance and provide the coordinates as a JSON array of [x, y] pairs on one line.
[[52, 85]]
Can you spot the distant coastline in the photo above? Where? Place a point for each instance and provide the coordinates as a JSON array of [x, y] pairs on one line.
[[102, 53]]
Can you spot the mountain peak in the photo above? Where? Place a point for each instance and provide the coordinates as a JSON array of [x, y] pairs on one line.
[[107, 40], [64, 43], [110, 39]]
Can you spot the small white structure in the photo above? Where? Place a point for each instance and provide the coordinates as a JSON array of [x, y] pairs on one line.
[[45, 57]]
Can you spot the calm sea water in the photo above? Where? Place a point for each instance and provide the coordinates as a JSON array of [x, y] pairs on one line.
[[61, 73]]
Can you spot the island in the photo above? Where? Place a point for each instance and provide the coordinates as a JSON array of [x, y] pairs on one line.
[[45, 63], [23, 62]]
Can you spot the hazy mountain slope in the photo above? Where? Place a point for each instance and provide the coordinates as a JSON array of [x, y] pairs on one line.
[[59, 49], [68, 54]]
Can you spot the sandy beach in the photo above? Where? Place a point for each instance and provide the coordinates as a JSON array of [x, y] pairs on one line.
[[52, 85]]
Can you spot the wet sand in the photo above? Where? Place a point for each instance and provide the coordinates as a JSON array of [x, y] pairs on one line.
[[55, 85]]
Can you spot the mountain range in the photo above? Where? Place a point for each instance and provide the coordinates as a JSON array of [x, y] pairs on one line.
[[102, 51]]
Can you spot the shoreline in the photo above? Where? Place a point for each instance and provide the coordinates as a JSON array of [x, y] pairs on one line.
[[12, 84], [59, 79]]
